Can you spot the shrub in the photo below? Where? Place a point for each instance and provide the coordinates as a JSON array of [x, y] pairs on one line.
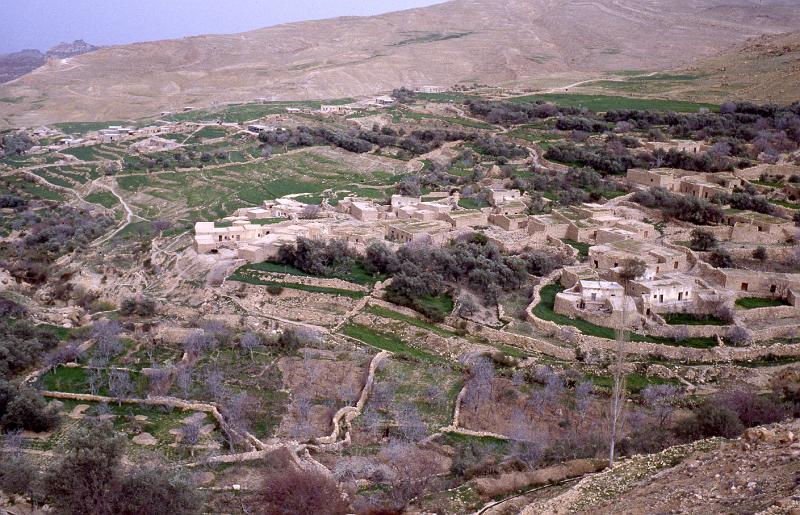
[[702, 240], [720, 258], [299, 491], [711, 419]]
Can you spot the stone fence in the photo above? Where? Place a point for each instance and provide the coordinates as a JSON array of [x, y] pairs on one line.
[[170, 402], [311, 281], [521, 341]]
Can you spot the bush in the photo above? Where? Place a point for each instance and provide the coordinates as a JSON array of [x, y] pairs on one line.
[[274, 289], [752, 409], [140, 306], [318, 257], [720, 258], [296, 491], [711, 419], [688, 209], [702, 240]]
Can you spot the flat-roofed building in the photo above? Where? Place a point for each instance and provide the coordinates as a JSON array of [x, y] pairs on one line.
[[541, 227], [466, 218], [659, 259], [434, 232], [669, 293]]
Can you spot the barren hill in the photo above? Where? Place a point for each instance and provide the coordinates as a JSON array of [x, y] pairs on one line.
[[461, 41], [766, 68]]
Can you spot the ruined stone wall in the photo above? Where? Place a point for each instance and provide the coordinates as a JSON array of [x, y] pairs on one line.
[[312, 281]]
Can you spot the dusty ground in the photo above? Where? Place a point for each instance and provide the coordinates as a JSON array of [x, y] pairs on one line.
[[462, 41]]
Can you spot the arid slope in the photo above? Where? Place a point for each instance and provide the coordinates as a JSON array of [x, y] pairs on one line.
[[461, 41]]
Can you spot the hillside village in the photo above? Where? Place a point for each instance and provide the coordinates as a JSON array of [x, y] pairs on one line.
[[423, 299]]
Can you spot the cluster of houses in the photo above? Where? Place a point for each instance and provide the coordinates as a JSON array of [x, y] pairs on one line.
[[433, 219], [673, 281], [743, 226]]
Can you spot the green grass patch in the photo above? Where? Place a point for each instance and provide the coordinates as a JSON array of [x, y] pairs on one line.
[[443, 303], [786, 204], [387, 342], [84, 127], [417, 38], [582, 248], [416, 322], [246, 276], [760, 302], [691, 319], [604, 103], [104, 198], [358, 274], [634, 383], [471, 203], [64, 379]]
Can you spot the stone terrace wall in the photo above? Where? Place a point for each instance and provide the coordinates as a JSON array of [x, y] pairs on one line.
[[311, 281], [522, 342], [716, 354]]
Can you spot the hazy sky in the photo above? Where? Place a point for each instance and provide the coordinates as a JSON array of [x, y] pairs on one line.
[[42, 24]]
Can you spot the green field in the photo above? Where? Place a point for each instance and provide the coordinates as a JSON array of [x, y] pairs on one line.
[[691, 319], [388, 342], [104, 198], [416, 322], [247, 276], [759, 302], [214, 193], [603, 103], [357, 274]]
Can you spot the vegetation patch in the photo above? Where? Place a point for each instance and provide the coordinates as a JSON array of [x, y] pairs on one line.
[[387, 342], [760, 302], [692, 319]]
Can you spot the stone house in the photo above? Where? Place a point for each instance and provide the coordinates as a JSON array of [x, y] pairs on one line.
[[698, 186], [542, 227], [510, 207], [405, 231], [502, 195], [752, 283], [466, 218], [670, 293], [658, 259], [364, 211], [666, 178], [401, 201], [759, 222], [509, 222]]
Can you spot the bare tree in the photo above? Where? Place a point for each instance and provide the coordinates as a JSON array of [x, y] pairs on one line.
[[183, 380], [215, 384], [250, 342], [302, 429], [618, 390], [236, 410], [190, 434], [120, 384], [661, 399], [159, 380], [411, 424], [480, 384]]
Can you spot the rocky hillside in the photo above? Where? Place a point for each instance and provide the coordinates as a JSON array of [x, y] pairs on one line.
[[757, 473], [66, 50], [17, 64], [461, 41], [766, 68]]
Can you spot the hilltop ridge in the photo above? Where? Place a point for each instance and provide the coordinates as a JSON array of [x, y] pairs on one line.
[[507, 42]]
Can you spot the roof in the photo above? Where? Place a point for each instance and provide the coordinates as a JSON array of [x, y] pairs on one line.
[[600, 285]]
